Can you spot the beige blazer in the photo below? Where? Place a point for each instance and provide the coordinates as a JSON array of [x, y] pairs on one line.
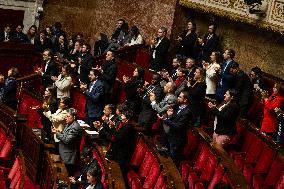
[[63, 86]]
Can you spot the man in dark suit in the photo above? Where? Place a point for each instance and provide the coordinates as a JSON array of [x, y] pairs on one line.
[[244, 87], [69, 141], [159, 49], [147, 115], [209, 43], [226, 79], [5, 35], [42, 42], [94, 97], [86, 62], [19, 35], [175, 125], [109, 72], [49, 68]]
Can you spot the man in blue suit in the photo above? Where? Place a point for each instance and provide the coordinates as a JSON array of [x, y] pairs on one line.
[[94, 97], [226, 80]]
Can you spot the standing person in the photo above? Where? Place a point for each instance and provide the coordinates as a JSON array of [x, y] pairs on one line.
[[197, 92], [244, 88], [159, 49], [58, 117], [131, 87], [187, 41], [122, 140], [135, 37], [212, 72], [63, 82], [257, 80], [86, 62], [60, 47], [209, 43], [10, 89], [49, 68], [176, 65], [147, 114], [175, 125], [225, 119], [2, 84], [49, 104], [276, 100], [109, 72], [69, 141], [94, 97], [226, 79], [42, 42]]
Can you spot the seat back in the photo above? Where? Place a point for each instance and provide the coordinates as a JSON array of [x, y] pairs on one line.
[[217, 177], [139, 153], [7, 149]]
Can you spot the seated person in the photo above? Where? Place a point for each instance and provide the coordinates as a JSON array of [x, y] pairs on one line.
[[89, 163], [94, 176]]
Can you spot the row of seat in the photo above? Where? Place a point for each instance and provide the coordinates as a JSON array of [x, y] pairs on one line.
[[13, 177], [205, 165], [257, 156], [147, 169]]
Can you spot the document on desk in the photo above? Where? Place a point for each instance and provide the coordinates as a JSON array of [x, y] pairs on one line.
[[92, 132]]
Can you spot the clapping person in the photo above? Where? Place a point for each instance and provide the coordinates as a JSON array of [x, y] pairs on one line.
[[10, 88], [94, 178], [63, 82], [69, 141], [269, 123], [225, 118], [131, 87], [280, 133]]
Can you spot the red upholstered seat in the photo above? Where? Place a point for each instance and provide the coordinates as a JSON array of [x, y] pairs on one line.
[[263, 164], [280, 183], [217, 177], [269, 180], [143, 59], [199, 185], [136, 184], [206, 173], [3, 138], [160, 181], [79, 102], [152, 176], [190, 149], [139, 153], [7, 149], [252, 155], [98, 158]]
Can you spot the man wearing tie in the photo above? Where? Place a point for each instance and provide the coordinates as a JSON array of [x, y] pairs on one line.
[[94, 97], [6, 34], [175, 124], [226, 80], [49, 69]]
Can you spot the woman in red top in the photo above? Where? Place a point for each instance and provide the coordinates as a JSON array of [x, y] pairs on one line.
[[276, 100]]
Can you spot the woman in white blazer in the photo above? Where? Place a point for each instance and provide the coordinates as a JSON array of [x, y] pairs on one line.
[[212, 72], [63, 82]]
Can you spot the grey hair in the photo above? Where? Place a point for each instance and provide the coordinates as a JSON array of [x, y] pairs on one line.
[[72, 111]]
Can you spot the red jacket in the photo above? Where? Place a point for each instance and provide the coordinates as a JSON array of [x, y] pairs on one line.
[[269, 122]]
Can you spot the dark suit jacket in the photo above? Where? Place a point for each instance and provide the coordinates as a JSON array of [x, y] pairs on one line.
[[178, 124], [148, 114], [51, 70], [95, 100], [244, 88], [47, 44], [161, 52], [69, 144], [122, 144], [10, 92], [226, 80], [226, 119], [209, 46], [97, 186], [106, 133], [109, 75], [197, 98], [187, 45], [2, 36], [86, 65], [21, 37]]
